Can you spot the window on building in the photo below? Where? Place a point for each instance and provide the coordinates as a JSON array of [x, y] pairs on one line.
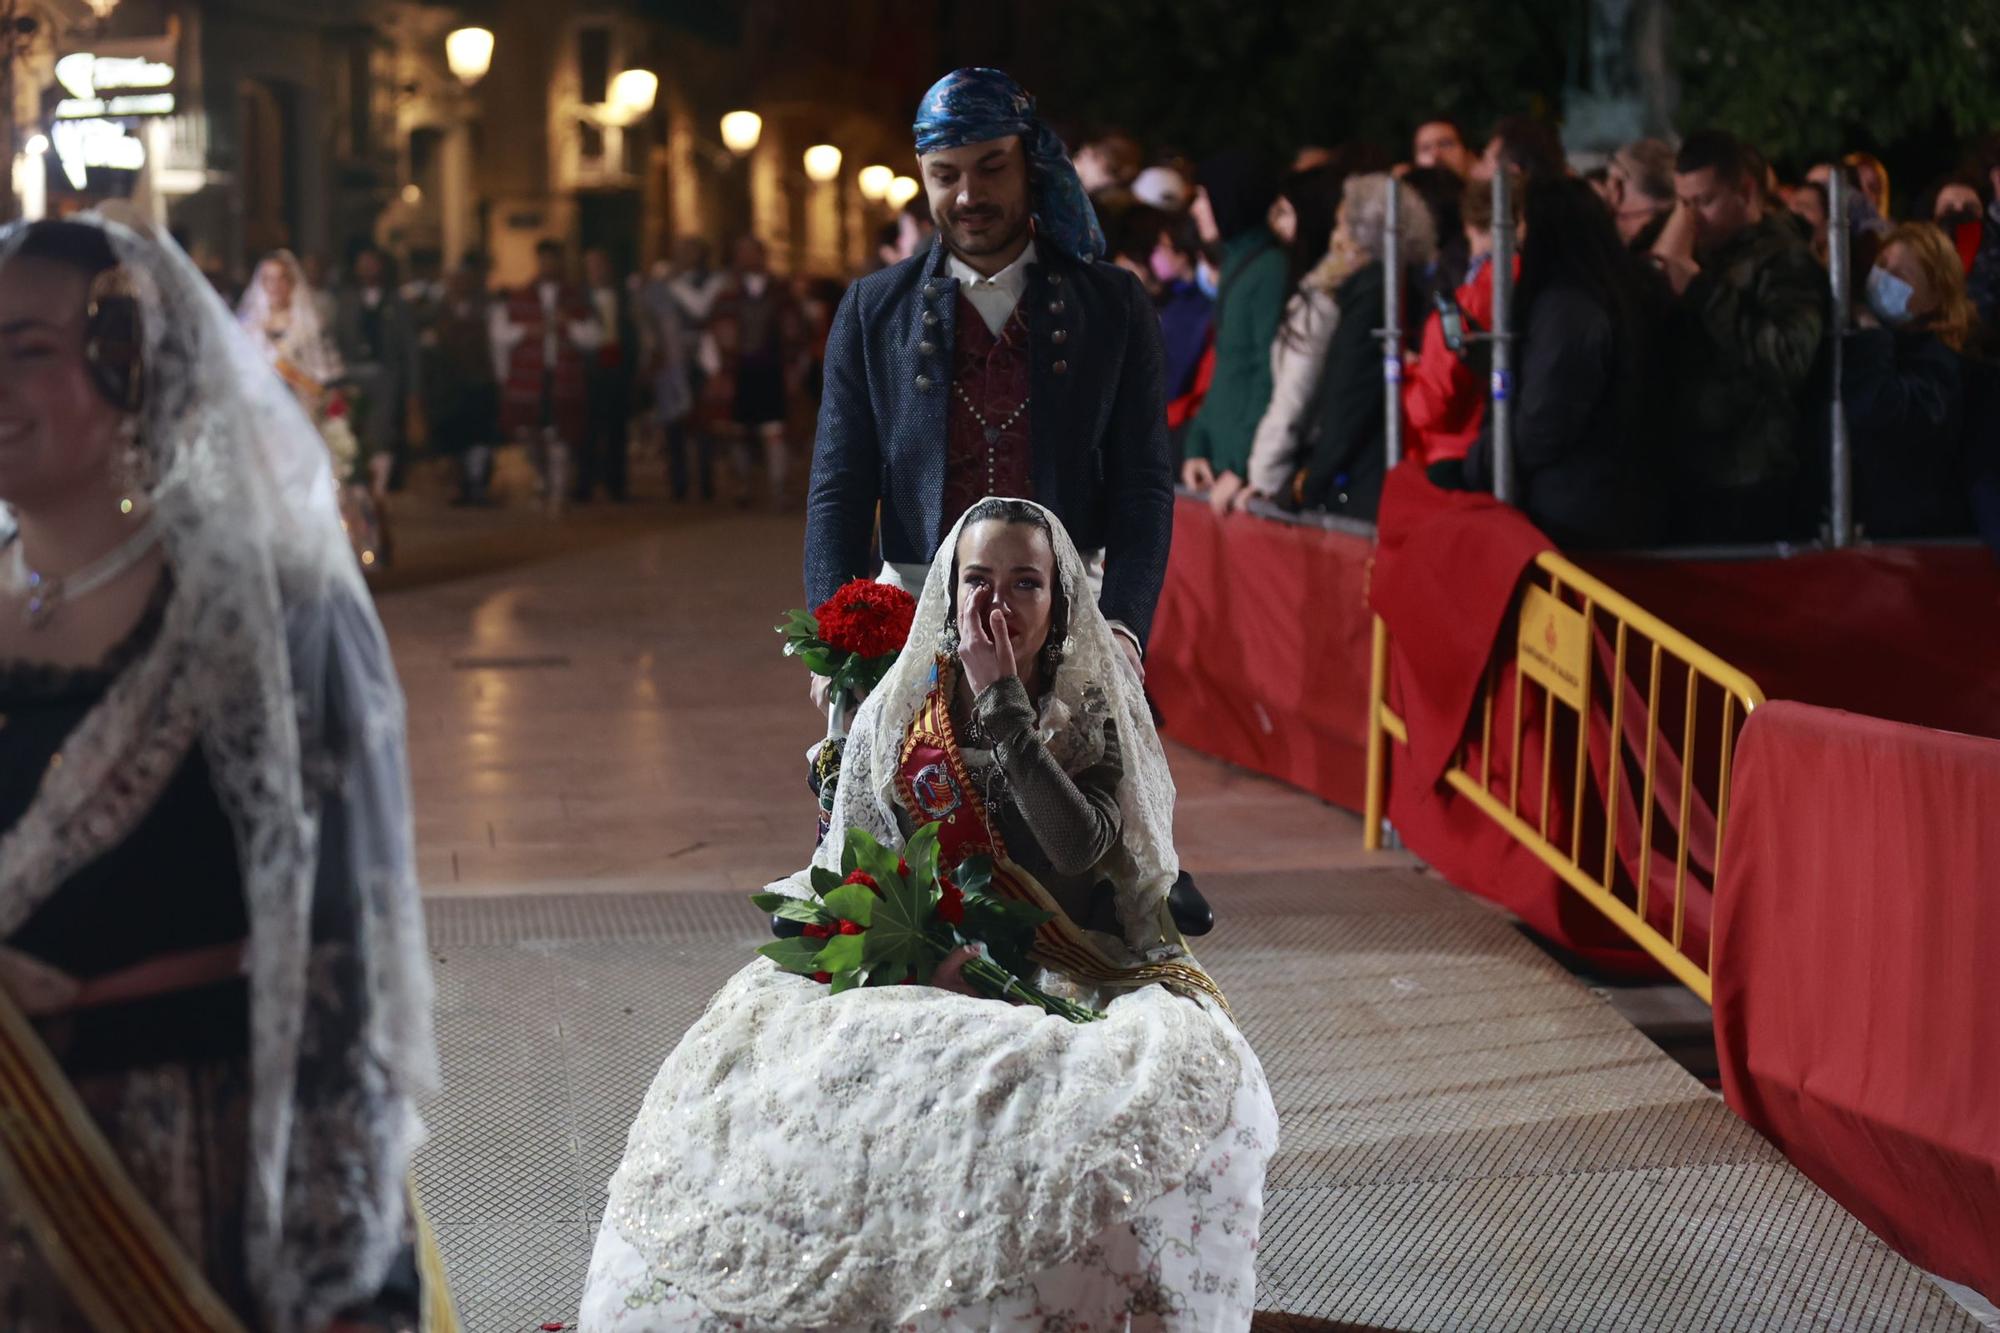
[[592, 138], [427, 162], [593, 64]]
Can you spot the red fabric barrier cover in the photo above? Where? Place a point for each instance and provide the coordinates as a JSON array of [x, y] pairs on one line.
[[1445, 577], [1259, 650], [1910, 633], [1855, 1014]]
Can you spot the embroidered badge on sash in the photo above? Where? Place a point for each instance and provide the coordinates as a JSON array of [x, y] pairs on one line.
[[936, 791]]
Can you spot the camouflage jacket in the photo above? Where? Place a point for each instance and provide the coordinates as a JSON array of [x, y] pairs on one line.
[[1749, 335]]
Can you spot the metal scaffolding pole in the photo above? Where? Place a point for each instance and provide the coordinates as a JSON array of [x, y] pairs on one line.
[[1502, 404], [1391, 331], [1840, 501]]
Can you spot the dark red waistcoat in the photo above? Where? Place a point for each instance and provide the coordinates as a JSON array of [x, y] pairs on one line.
[[987, 450]]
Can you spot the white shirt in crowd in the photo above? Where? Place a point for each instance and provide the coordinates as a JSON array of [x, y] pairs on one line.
[[586, 335], [995, 297], [605, 301], [696, 295]]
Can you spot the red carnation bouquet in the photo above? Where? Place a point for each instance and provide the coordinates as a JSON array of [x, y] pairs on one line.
[[888, 920], [852, 639]]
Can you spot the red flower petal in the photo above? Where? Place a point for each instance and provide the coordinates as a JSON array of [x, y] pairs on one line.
[[822, 977], [849, 928]]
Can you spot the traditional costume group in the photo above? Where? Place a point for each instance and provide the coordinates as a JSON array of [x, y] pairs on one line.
[[908, 1157]]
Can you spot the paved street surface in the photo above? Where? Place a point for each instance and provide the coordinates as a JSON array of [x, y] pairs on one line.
[[608, 753]]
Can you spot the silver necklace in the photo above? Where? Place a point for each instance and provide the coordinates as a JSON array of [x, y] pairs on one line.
[[993, 432], [48, 593]]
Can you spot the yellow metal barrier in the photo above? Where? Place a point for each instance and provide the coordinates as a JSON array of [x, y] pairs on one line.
[[1565, 615]]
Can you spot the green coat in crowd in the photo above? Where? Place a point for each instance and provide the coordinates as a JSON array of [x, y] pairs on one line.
[[1248, 309]]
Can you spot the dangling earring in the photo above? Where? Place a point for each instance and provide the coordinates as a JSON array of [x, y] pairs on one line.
[[948, 639], [1053, 653], [133, 470]]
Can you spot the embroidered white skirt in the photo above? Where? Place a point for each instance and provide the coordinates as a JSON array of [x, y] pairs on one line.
[[1183, 1262]]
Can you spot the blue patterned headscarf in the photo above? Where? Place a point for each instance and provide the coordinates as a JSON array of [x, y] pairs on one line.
[[974, 105]]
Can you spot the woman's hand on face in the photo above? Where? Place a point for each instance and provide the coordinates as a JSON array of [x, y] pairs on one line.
[[985, 649]]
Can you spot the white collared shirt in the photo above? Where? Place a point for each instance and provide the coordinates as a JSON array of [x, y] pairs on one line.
[[995, 297]]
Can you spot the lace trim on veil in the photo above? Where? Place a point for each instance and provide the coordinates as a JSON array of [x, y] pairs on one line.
[[810, 1160], [270, 657]]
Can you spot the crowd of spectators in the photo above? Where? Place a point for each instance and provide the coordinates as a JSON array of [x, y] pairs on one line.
[[1671, 330]]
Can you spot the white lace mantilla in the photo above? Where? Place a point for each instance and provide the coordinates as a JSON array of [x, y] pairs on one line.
[[806, 1159], [809, 1160], [270, 657]]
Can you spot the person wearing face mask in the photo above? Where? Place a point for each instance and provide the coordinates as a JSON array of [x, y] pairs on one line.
[[1982, 278], [1903, 388]]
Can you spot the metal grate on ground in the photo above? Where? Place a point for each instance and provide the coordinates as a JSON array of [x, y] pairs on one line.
[[1470, 1139]]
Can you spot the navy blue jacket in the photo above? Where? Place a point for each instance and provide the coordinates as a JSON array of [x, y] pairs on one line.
[[1097, 424]]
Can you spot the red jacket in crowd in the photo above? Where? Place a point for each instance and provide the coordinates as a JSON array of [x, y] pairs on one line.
[[1444, 400]]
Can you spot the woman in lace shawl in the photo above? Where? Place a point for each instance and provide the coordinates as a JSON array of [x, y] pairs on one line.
[[278, 312], [214, 1001], [919, 1158]]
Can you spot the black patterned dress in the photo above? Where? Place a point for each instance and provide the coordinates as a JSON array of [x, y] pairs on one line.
[[166, 1078]]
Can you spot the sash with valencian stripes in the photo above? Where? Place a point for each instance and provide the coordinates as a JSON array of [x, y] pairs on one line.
[[936, 789], [105, 1244]]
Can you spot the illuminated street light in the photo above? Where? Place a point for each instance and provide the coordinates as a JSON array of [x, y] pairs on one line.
[[901, 190], [37, 145], [822, 163], [741, 130], [633, 91], [413, 194], [469, 52], [874, 182]]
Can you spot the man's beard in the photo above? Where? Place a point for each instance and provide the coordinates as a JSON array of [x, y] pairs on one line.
[[996, 239]]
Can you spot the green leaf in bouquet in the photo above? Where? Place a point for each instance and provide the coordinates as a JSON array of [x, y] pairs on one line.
[[794, 955], [846, 981], [825, 881], [852, 902], [1005, 912], [872, 856], [921, 854], [800, 909], [818, 659], [842, 953], [871, 672], [974, 874], [899, 934], [1006, 928]]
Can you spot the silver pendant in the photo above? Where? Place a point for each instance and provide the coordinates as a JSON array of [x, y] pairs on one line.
[[993, 435]]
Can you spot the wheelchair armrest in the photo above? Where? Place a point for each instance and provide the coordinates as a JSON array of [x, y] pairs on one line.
[[1191, 913]]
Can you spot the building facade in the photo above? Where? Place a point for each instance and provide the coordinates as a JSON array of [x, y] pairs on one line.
[[322, 127]]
